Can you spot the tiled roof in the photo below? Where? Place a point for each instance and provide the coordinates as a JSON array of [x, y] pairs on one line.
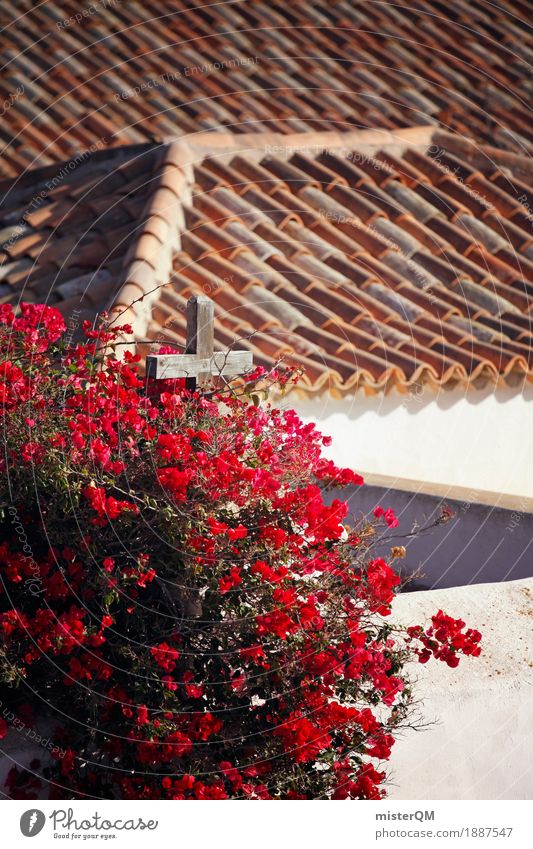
[[80, 76], [67, 230], [372, 259], [385, 267]]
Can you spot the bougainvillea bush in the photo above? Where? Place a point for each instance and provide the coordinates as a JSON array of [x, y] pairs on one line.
[[177, 592]]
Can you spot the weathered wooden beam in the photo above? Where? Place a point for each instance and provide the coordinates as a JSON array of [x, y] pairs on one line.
[[200, 334], [198, 363], [170, 366]]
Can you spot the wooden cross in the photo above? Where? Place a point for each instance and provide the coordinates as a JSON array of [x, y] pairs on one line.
[[200, 361]]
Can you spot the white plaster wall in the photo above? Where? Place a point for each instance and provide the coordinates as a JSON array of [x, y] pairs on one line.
[[481, 744], [478, 439]]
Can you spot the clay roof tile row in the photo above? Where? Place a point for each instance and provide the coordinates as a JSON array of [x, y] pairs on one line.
[[131, 73], [298, 270]]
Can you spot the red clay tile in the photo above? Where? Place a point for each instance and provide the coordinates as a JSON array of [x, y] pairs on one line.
[[295, 268], [255, 173], [356, 201]]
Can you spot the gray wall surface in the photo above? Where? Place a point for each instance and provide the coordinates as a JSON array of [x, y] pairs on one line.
[[479, 544]]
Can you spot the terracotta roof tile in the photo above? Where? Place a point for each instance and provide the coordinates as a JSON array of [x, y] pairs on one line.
[[72, 232], [368, 277], [264, 66]]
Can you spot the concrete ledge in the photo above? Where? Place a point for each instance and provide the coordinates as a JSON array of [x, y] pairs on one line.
[[480, 746], [465, 494]]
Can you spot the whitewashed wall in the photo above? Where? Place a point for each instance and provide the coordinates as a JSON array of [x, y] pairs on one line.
[[480, 715], [479, 439]]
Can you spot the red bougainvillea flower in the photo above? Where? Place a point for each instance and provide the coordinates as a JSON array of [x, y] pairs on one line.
[[445, 639], [232, 579], [302, 739], [165, 656], [175, 481], [171, 565], [388, 515], [107, 505]]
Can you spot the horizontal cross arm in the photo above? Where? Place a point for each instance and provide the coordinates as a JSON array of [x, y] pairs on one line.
[[170, 366]]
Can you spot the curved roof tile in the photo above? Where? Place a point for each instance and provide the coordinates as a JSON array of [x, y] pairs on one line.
[[278, 243]]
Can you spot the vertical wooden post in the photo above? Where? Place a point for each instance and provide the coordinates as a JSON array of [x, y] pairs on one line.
[[200, 334]]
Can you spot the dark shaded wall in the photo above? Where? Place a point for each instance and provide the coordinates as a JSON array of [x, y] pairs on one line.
[[479, 544]]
